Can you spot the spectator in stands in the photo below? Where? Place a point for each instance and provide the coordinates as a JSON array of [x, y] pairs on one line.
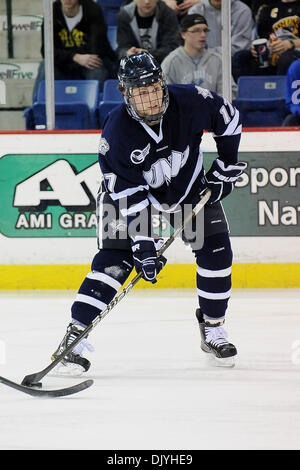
[[81, 48], [257, 5], [193, 62], [241, 23], [283, 21], [147, 25], [181, 7], [293, 94]]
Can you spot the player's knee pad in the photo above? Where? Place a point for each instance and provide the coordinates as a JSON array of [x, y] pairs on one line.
[[114, 263], [110, 269], [216, 252]]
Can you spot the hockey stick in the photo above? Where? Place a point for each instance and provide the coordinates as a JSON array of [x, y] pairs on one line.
[[34, 379], [61, 392]]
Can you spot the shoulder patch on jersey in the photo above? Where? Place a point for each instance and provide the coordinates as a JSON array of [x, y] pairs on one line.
[[204, 92], [103, 146], [138, 156]]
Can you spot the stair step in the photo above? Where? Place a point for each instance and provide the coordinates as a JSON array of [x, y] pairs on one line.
[[26, 45]]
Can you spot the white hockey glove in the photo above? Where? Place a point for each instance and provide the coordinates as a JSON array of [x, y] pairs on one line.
[[146, 260], [220, 179]]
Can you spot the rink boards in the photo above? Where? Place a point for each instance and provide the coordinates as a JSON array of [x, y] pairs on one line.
[[48, 231]]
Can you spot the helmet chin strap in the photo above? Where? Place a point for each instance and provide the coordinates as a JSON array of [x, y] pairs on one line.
[[153, 119]]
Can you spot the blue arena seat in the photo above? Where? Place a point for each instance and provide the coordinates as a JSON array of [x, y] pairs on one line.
[[111, 91], [76, 103], [110, 10], [112, 36], [112, 97], [261, 100]]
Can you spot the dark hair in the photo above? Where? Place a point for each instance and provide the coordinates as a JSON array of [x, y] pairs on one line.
[[191, 20]]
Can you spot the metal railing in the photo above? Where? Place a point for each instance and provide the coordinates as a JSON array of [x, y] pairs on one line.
[[10, 42]]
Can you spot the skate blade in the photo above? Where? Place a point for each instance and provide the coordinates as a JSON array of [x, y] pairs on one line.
[[221, 361], [67, 370]]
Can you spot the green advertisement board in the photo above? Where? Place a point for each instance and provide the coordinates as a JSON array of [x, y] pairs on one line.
[[54, 195], [266, 200], [49, 195]]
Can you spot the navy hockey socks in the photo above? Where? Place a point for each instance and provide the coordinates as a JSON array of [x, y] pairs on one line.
[[110, 269], [214, 262]]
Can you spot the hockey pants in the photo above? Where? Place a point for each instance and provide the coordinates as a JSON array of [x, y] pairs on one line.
[[110, 269]]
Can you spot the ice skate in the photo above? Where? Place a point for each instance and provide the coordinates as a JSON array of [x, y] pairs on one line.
[[214, 341], [73, 363]]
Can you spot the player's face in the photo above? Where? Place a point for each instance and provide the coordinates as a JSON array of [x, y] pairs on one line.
[[147, 100]]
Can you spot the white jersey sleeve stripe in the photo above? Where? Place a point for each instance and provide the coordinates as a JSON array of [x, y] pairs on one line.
[[238, 130], [128, 192], [232, 126]]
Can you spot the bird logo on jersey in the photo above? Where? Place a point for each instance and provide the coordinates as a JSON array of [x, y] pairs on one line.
[[138, 156]]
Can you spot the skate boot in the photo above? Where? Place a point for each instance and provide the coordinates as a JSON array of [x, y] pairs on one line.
[[73, 363], [214, 340]]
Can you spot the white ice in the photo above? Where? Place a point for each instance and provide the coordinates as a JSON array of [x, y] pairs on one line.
[[153, 386]]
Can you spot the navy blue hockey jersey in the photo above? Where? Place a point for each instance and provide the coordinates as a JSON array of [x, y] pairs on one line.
[[164, 166]]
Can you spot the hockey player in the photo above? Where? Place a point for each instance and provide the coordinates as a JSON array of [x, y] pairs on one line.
[[150, 156]]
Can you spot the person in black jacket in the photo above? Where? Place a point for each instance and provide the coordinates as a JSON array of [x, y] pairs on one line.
[[279, 23], [147, 25], [81, 48], [257, 5]]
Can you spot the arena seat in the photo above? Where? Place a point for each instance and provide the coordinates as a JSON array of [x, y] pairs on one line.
[[76, 103], [261, 100], [112, 36], [110, 10], [112, 97]]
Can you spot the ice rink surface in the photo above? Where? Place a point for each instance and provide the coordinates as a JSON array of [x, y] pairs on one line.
[[153, 386]]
